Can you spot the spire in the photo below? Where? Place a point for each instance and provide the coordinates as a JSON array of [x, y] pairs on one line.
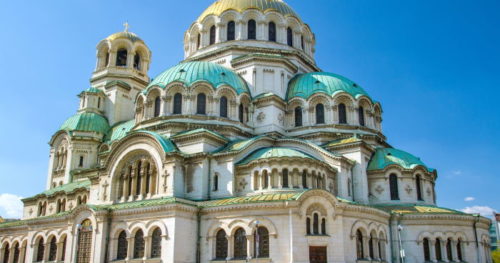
[[126, 25]]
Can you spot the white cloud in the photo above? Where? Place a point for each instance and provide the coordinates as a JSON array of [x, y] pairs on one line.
[[469, 199], [11, 206], [482, 210], [457, 172]]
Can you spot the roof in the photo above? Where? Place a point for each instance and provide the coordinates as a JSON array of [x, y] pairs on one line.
[[306, 85], [65, 189], [189, 73], [384, 157], [416, 209], [274, 152], [342, 141], [166, 143], [125, 35], [221, 6], [93, 90], [237, 145], [201, 130], [120, 130], [86, 121], [276, 197]]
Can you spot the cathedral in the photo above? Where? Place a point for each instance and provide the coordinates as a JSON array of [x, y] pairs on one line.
[[244, 152]]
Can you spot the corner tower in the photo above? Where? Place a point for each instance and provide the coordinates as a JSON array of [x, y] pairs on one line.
[[121, 72]]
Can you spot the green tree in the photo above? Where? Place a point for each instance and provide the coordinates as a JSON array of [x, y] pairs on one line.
[[496, 256]]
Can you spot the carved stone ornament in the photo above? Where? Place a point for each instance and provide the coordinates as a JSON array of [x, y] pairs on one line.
[[281, 118], [429, 192], [242, 184], [261, 117], [379, 189], [408, 189], [30, 211]]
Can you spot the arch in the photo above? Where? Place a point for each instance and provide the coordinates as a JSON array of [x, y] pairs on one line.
[[139, 244], [342, 113], [320, 113], [177, 105], [213, 30], [426, 248], [261, 242], [223, 107], [231, 30], [156, 243], [359, 245], [122, 246], [437, 248], [221, 245], [251, 29], [40, 249], [449, 254], [157, 106], [240, 244], [121, 57], [289, 36], [361, 116], [84, 241], [52, 249], [272, 31], [298, 116]]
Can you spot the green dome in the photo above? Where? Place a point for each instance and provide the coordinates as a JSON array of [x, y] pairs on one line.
[[274, 152], [384, 157], [306, 85], [87, 122], [192, 72]]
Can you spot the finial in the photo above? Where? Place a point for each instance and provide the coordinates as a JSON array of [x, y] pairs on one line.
[[126, 25]]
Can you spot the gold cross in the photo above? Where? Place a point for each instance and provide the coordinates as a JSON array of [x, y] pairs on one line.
[[126, 25]]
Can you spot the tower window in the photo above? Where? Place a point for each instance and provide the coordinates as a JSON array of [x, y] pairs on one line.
[[427, 254], [201, 102], [121, 58], [122, 246], [261, 240], [139, 244], [177, 103], [221, 245], [320, 114], [298, 116], [198, 41], [285, 178], [156, 244], [212, 35], [419, 187], [342, 114], [223, 107], [393, 181], [289, 38], [272, 32], [252, 29], [231, 31], [98, 103], [80, 163], [316, 224], [137, 62], [216, 183], [359, 245], [240, 113], [157, 106], [302, 42], [361, 114], [240, 244]]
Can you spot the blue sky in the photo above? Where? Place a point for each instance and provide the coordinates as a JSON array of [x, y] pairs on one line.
[[434, 66]]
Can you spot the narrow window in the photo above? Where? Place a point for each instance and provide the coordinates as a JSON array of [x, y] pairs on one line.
[[122, 246], [298, 116], [80, 162], [361, 114], [221, 245], [323, 226], [266, 179], [370, 246], [308, 225], [342, 114], [302, 42], [139, 179], [272, 32], [6, 254], [359, 245], [439, 257], [231, 31], [139, 244], [285, 178], [52, 249], [40, 250], [448, 250], [212, 35], [216, 183], [393, 181], [304, 179], [177, 103], [240, 113], [201, 102], [320, 114], [427, 254], [459, 250], [419, 187], [198, 41], [289, 38], [63, 254], [223, 107], [17, 252], [121, 58], [261, 245], [157, 106], [315, 224], [137, 62], [156, 244], [240, 244], [98, 103], [252, 29], [84, 243]]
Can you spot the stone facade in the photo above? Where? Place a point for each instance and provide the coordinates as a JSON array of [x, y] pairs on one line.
[[244, 152]]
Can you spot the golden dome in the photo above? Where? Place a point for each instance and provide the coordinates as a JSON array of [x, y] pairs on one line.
[[220, 6], [125, 35]]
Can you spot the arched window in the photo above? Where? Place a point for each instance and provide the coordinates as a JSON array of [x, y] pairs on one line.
[[17, 252], [265, 179], [272, 32], [448, 250], [212, 35], [370, 246], [302, 42], [201, 104], [198, 41], [216, 183], [320, 114], [240, 244], [98, 103], [361, 116], [298, 116], [359, 245], [231, 31], [139, 178], [157, 106], [393, 181], [285, 178], [137, 62], [6, 254], [177, 103], [308, 225], [221, 245], [304, 179], [289, 36], [52, 249], [459, 250], [122, 246], [315, 224], [342, 114], [241, 113], [139, 244], [323, 226], [84, 242], [439, 256], [156, 243], [261, 245], [427, 253], [252, 29], [80, 162], [419, 187], [121, 58], [63, 254], [223, 107], [40, 250]]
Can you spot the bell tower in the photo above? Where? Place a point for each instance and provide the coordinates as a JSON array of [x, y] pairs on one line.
[[121, 72]]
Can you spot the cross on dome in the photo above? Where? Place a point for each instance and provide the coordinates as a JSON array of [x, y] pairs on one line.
[[126, 25]]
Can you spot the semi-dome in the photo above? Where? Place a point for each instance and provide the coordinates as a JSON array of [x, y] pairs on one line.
[[221, 6], [385, 157], [189, 73], [86, 122], [125, 35], [306, 85], [274, 152]]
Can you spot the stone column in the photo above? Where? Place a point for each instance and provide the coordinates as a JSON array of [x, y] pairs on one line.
[[376, 254], [22, 253], [261, 180], [143, 180], [454, 251], [444, 255], [250, 249], [366, 247], [239, 30], [11, 255], [147, 247], [219, 30], [130, 248], [230, 247], [432, 250]]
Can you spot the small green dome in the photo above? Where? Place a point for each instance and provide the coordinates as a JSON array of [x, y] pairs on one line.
[[274, 152], [192, 72], [306, 85], [87, 122], [384, 157]]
